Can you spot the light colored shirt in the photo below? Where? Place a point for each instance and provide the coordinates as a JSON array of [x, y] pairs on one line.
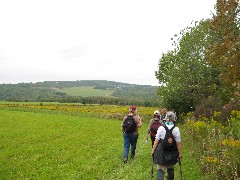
[[162, 132]]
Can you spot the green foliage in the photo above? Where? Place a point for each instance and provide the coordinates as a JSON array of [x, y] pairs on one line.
[[234, 124], [185, 75], [207, 107], [204, 62], [28, 93]]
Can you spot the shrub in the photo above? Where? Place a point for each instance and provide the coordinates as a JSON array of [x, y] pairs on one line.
[[227, 109], [206, 108]]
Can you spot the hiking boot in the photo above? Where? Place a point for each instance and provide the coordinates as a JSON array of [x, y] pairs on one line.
[[125, 160]]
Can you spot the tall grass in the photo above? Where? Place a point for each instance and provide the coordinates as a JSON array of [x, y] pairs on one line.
[[216, 147]]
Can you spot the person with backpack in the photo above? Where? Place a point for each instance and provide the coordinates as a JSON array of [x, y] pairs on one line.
[[129, 126], [167, 148], [153, 126]]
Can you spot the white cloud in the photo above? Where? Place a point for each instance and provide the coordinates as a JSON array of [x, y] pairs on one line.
[[78, 40]]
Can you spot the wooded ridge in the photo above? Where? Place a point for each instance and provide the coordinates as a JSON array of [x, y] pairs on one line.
[[120, 93]]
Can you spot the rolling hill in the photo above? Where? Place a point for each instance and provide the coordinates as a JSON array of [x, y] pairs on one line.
[[83, 91]]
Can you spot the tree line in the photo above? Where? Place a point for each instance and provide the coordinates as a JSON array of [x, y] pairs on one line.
[[202, 72]]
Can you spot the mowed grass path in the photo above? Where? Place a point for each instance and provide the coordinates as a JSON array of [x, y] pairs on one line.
[[59, 146]]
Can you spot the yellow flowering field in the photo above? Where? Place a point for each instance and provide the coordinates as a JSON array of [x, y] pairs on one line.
[[216, 146], [103, 111]]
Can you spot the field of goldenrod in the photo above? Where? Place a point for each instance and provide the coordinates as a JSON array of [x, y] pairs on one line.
[[103, 111], [216, 146]]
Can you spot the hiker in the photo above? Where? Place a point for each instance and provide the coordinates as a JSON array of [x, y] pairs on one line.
[[163, 114], [153, 126], [129, 126], [163, 157]]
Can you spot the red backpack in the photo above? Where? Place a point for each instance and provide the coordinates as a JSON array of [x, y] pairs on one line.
[[154, 127]]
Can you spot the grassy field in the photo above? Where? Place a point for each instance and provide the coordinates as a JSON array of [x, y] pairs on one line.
[[37, 145], [86, 91]]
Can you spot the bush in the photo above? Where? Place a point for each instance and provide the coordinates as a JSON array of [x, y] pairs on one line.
[[206, 108], [227, 109]]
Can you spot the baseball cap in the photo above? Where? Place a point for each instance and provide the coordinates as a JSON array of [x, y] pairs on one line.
[[132, 108]]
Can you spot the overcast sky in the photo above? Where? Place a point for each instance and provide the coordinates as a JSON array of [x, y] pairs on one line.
[[69, 40]]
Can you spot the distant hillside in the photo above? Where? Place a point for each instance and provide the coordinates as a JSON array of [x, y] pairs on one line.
[[84, 91]]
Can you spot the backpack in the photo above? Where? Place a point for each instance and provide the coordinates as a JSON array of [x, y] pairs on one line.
[[154, 127], [169, 143], [129, 124], [166, 152]]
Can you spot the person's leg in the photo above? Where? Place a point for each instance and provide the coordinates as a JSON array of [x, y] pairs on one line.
[[170, 173], [134, 139], [160, 174], [153, 139], [126, 146]]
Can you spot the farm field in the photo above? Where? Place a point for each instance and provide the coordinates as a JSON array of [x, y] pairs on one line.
[[86, 91], [48, 145]]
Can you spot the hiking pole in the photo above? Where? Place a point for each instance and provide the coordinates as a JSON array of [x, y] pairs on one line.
[[151, 175], [180, 164]]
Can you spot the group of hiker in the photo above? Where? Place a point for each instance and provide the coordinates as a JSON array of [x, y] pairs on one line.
[[165, 139]]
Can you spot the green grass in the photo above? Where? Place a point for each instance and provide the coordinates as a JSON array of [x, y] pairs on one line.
[[86, 91], [190, 167], [37, 145]]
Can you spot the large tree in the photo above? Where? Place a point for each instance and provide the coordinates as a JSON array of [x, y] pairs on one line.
[[184, 74], [224, 53], [205, 61]]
